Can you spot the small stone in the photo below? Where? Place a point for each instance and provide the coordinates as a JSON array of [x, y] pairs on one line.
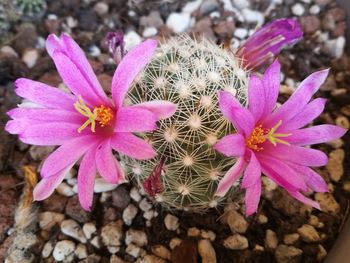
[[38, 153], [152, 20], [290, 239], [149, 214], [335, 47], [315, 9], [131, 39], [314, 221], [47, 249], [145, 205], [48, 219], [208, 6], [113, 250], [89, 229], [93, 258], [236, 242], [328, 203], [271, 240], [63, 250], [193, 232], [346, 186], [178, 22], [101, 8], [133, 250], [129, 214], [72, 229], [336, 144], [135, 194], [208, 235], [161, 251], [120, 197], [96, 242], [259, 248], [81, 251], [262, 219], [101, 186], [191, 6], [236, 222], [174, 242], [112, 233], [116, 259], [30, 57], [65, 190], [322, 253], [241, 33], [136, 237], [153, 259], [8, 51], [75, 211], [225, 29], [308, 234], [206, 251], [342, 121], [298, 9], [252, 16], [288, 254], [87, 20], [149, 32], [310, 24], [171, 222]]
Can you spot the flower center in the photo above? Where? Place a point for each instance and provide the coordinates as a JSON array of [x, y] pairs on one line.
[[104, 115], [260, 135]]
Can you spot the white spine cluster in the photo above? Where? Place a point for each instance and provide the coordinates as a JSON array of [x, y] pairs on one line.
[[189, 74]]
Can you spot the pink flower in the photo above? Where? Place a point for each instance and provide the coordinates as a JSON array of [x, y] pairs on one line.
[[270, 141], [268, 41], [86, 124]]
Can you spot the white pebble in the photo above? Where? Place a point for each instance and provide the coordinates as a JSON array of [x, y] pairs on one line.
[[81, 251], [191, 6], [30, 57], [65, 190], [135, 194], [171, 222], [102, 186], [241, 33], [315, 9], [63, 250], [131, 39], [178, 22], [89, 229], [136, 237], [129, 214], [94, 51], [335, 47], [133, 250], [72, 229], [149, 32], [298, 9], [252, 16], [47, 249], [145, 205], [241, 4]]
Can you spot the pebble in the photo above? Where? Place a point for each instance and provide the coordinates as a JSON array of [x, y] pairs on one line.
[[89, 229], [129, 214], [178, 22], [63, 250], [96, 242], [346, 186], [149, 32], [193, 232], [237, 222], [174, 242], [208, 6], [152, 20], [328, 203], [187, 252], [131, 39], [136, 237], [75, 211], [208, 235], [116, 259], [308, 234], [65, 190], [322, 253], [298, 9], [133, 250], [161, 251], [290, 239], [271, 240], [206, 251], [101, 8], [236, 242], [47, 249], [101, 186], [120, 197], [241, 4], [48, 219], [171, 222], [93, 258], [241, 33], [342, 121], [81, 251], [152, 259], [310, 24], [38, 153], [192, 6], [259, 248], [262, 219], [135, 194], [112, 233], [335, 47], [315, 9], [335, 164], [145, 205], [225, 29], [252, 16], [288, 254], [72, 229]]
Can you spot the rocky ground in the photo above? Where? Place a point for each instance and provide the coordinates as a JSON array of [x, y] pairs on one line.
[[124, 225]]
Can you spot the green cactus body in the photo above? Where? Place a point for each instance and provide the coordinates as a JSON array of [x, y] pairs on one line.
[[189, 74], [30, 10]]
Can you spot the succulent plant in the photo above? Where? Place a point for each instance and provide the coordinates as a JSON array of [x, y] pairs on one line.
[[188, 73], [30, 10]]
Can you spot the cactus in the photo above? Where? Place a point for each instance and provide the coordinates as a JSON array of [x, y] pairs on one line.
[[30, 10], [188, 73]]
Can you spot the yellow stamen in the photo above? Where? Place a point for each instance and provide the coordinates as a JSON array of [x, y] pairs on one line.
[[273, 137], [102, 114]]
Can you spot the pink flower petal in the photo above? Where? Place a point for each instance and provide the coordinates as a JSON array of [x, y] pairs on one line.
[[240, 117], [47, 186], [277, 178], [76, 80], [107, 165], [316, 134], [252, 173], [44, 95], [271, 84], [297, 195], [298, 100], [296, 154], [68, 153], [51, 133], [284, 171], [256, 97], [230, 177], [231, 145], [86, 179], [161, 108], [312, 179], [134, 119], [133, 62], [252, 198], [78, 64], [19, 125], [132, 146], [310, 112]]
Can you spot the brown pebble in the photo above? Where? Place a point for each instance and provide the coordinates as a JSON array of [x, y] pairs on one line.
[[335, 164], [185, 252], [342, 121]]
